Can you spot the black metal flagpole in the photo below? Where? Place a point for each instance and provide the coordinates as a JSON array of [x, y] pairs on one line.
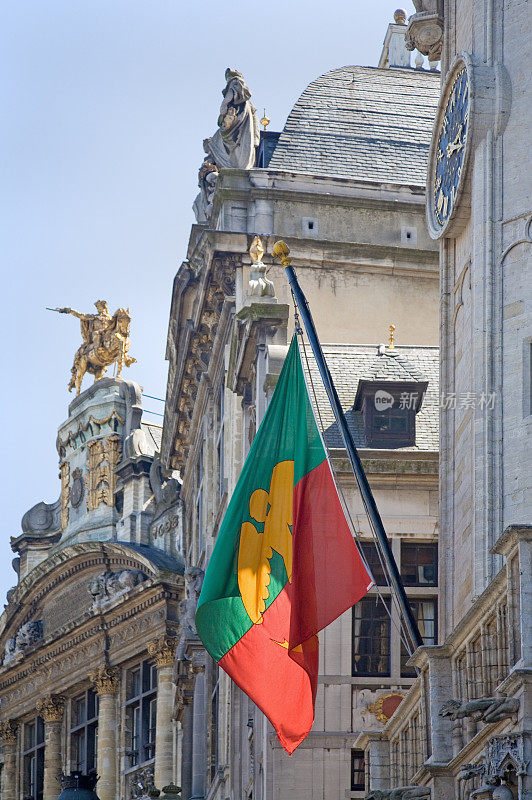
[[281, 251]]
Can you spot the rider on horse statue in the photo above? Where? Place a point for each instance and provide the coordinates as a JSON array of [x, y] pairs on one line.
[[105, 341]]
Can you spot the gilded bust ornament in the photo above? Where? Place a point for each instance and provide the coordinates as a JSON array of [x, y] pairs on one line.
[[105, 342], [446, 178]]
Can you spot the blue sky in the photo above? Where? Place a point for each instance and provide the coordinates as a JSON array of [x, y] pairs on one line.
[[105, 107]]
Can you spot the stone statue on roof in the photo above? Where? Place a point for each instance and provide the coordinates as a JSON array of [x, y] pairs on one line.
[[234, 143]]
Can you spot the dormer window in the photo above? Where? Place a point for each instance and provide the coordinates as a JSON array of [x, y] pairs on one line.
[[390, 409]]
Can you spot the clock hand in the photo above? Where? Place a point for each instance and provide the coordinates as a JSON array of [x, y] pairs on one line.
[[456, 145]]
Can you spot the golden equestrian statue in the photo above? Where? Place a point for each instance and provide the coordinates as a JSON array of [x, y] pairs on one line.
[[105, 342]]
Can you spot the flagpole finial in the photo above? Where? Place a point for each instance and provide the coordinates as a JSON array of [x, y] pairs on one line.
[[282, 251], [391, 342]]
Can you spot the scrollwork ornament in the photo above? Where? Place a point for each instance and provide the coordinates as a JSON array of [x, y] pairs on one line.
[[105, 679], [51, 708], [162, 651], [8, 732]]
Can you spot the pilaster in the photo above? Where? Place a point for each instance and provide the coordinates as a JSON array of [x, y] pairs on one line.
[[106, 682], [51, 710], [9, 738], [162, 651]]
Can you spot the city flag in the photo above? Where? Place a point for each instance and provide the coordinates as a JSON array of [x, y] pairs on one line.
[[284, 564]]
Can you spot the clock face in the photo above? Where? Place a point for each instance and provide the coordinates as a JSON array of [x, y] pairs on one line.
[[450, 150]]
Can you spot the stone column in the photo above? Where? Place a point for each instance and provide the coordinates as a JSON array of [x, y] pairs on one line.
[[8, 737], [199, 738], [162, 651], [106, 681], [186, 758], [51, 710], [440, 690]]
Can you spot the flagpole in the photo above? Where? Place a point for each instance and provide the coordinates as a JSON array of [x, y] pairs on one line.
[[281, 251]]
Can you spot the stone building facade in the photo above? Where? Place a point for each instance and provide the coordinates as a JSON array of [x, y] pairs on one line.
[[89, 632], [464, 729], [344, 187]]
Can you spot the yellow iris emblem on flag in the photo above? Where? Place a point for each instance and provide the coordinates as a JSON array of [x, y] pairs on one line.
[[274, 509]]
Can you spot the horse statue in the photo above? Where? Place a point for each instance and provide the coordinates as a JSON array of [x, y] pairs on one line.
[[105, 342]]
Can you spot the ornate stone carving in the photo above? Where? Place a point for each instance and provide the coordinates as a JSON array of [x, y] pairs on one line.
[[238, 134], [141, 783], [193, 583], [425, 33], [162, 651], [109, 585], [8, 732], [103, 456], [27, 635], [65, 493], [105, 342], [105, 679], [470, 771], [503, 752], [76, 437], [400, 793], [166, 491], [77, 489], [485, 709], [259, 285], [51, 708], [207, 178], [42, 519]]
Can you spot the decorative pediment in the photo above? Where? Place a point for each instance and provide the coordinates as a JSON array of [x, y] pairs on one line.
[[59, 585]]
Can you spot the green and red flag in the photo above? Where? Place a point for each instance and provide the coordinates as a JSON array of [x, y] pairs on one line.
[[284, 564]]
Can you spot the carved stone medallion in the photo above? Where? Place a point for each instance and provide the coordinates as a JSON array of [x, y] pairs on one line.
[[77, 489]]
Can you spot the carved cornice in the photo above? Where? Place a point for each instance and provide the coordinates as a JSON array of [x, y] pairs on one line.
[[162, 651], [193, 341], [51, 708], [105, 679], [8, 732]]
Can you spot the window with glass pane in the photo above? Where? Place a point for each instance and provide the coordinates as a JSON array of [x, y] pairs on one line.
[[371, 555], [33, 759], [425, 612], [419, 564], [358, 781], [141, 713], [84, 732], [371, 637]]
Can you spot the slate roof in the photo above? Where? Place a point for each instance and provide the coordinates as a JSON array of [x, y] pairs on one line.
[[160, 558], [350, 363], [363, 123]]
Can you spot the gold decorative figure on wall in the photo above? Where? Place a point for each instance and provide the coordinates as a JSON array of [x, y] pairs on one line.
[[105, 342], [103, 456]]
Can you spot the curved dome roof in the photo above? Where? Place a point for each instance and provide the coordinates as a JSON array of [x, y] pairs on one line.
[[363, 123]]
